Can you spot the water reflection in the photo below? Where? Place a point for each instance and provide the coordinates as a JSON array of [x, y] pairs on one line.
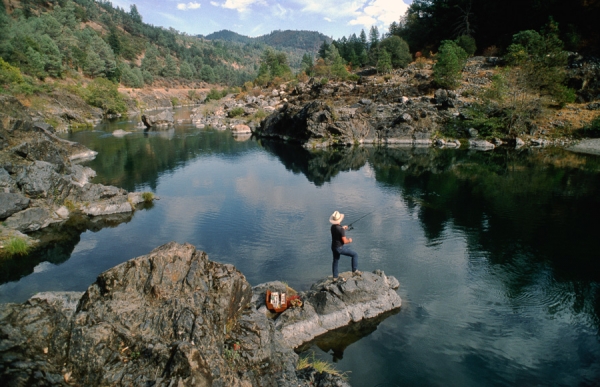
[[496, 252]]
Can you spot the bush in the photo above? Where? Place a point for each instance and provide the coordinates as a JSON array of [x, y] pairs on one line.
[[467, 43], [235, 112], [9, 74], [215, 94], [104, 94], [450, 61], [541, 61]]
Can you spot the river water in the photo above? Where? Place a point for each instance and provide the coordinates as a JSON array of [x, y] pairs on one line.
[[496, 252]]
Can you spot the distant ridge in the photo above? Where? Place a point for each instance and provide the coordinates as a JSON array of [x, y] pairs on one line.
[[303, 40]]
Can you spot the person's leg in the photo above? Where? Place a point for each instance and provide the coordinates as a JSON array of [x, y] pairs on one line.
[[350, 253], [334, 265]]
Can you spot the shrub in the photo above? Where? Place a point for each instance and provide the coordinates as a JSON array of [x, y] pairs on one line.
[[104, 94], [235, 112], [541, 60], [215, 94], [467, 43], [175, 101], [450, 61], [9, 74]]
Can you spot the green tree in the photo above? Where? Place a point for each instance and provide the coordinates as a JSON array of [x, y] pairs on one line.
[[398, 51], [170, 69], [114, 41], [307, 63], [467, 43], [384, 62], [541, 61], [186, 70], [450, 61], [150, 61]]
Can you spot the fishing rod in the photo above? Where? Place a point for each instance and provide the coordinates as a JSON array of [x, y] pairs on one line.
[[350, 226]]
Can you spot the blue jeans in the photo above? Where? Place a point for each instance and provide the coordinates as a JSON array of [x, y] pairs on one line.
[[344, 250]]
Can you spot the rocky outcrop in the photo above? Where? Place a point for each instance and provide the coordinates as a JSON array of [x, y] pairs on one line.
[[40, 183], [163, 118], [173, 317], [328, 305]]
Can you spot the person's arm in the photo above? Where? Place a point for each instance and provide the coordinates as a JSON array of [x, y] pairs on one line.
[[344, 239]]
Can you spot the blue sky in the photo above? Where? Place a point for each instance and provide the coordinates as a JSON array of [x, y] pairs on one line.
[[334, 18]]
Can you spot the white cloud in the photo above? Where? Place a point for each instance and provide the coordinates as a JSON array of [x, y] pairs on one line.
[[239, 5], [190, 5], [360, 12], [327, 19]]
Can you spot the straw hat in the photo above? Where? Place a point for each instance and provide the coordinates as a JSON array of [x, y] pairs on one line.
[[336, 218]]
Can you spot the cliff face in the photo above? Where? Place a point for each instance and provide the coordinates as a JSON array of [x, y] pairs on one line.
[[173, 317]]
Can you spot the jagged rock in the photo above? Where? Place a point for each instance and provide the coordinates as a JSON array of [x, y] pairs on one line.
[[171, 317], [11, 203], [162, 118], [539, 142]]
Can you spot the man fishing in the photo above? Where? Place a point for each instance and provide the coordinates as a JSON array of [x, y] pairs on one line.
[[339, 243]]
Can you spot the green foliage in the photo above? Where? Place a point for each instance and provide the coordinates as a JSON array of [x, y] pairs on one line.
[[236, 112], [175, 101], [467, 43], [274, 65], [9, 74], [593, 127], [16, 246], [542, 62], [384, 62], [451, 59], [147, 197], [131, 77], [398, 50], [215, 94], [104, 94]]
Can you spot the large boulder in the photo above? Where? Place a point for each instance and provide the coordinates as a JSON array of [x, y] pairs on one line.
[[162, 118]]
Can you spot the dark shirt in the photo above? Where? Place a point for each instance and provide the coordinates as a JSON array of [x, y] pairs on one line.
[[337, 232]]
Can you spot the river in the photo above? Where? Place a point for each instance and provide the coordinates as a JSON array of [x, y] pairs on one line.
[[496, 252]]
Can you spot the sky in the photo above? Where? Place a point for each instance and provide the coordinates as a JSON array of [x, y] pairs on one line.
[[334, 18]]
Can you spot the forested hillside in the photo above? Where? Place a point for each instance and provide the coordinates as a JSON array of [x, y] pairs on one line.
[[294, 43], [61, 38]]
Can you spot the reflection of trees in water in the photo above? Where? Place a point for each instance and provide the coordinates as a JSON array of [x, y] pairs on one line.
[[57, 243], [319, 165], [139, 159], [527, 209]]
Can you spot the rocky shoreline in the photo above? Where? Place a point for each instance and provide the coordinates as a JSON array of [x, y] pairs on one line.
[[41, 182], [173, 317]]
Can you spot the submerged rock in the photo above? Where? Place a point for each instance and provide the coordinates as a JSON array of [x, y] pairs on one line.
[[173, 317]]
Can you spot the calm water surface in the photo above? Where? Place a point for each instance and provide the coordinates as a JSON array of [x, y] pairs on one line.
[[496, 253]]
